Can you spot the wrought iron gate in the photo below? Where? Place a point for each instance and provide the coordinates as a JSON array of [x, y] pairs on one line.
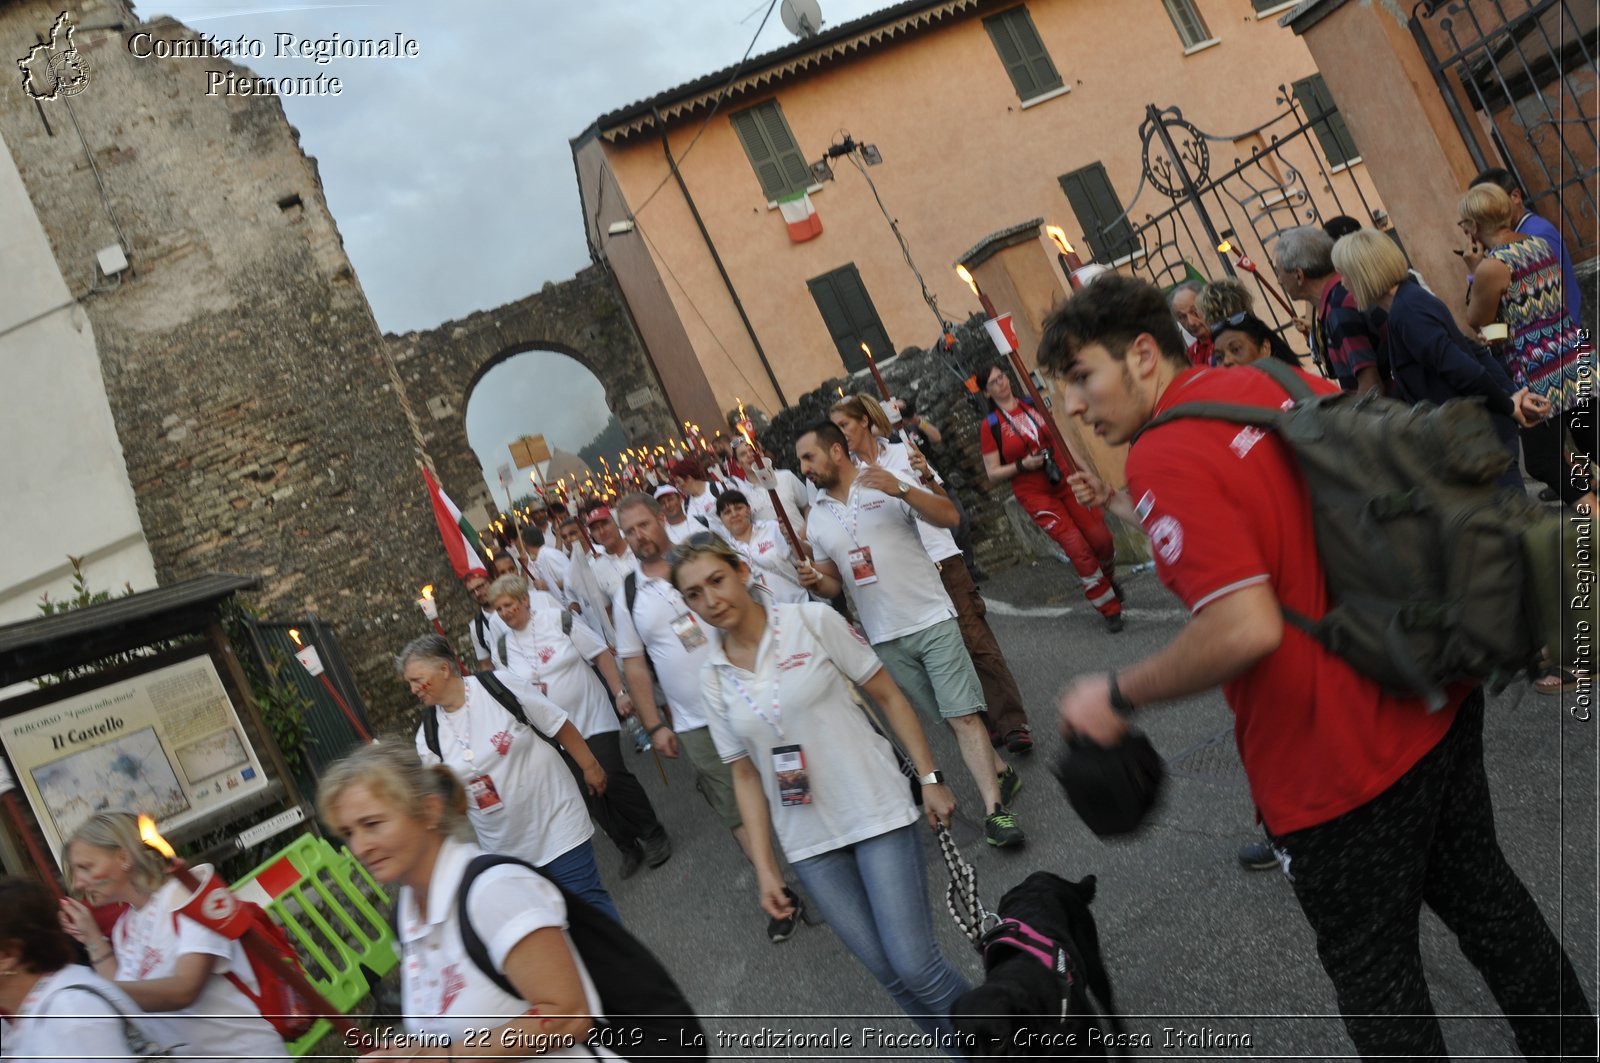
[[1280, 176], [1520, 75]]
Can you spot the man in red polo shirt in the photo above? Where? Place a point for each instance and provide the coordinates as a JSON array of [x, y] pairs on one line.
[[1374, 805]]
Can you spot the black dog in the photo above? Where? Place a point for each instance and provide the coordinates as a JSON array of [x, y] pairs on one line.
[[1026, 1008]]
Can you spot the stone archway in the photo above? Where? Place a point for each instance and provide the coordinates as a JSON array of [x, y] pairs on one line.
[[582, 318]]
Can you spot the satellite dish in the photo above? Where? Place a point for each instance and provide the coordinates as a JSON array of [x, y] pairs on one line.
[[803, 18]]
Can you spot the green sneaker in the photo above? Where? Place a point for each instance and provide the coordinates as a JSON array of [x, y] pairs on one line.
[[1010, 785], [1001, 831]]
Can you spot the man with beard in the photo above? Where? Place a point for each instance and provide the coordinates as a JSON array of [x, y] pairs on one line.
[[865, 521]]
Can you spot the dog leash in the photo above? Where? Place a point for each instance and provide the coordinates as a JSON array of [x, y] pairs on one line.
[[961, 893]]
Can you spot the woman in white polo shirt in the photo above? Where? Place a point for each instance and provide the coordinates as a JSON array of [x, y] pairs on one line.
[[554, 653], [522, 800], [407, 823], [761, 543], [806, 761]]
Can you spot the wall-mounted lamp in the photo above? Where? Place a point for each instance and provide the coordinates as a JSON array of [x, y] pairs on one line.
[[620, 228]]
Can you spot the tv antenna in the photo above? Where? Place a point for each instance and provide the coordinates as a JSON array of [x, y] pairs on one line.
[[803, 18]]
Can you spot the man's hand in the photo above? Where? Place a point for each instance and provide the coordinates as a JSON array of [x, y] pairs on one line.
[[1086, 710], [1088, 489], [624, 702], [1302, 326], [594, 777], [665, 743], [879, 479]]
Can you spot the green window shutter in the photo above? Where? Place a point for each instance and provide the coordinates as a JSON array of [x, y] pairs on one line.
[[850, 317], [1327, 123], [1099, 211], [776, 159], [1017, 42]]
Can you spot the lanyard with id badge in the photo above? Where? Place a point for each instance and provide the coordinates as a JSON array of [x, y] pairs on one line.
[[481, 792], [862, 571], [683, 624], [789, 760]]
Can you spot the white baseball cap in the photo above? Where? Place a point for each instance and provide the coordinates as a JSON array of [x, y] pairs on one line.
[[666, 489]]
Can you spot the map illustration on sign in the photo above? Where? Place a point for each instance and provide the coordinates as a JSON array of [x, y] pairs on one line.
[[132, 772]]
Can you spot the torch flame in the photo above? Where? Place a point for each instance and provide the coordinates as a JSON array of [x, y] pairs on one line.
[[149, 835], [962, 272], [865, 349], [294, 633], [1059, 235], [1225, 247], [427, 592]]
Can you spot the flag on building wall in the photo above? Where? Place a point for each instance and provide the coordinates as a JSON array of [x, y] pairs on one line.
[[801, 217], [460, 540]]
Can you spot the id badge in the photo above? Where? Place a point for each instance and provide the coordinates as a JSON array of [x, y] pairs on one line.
[[794, 784], [861, 567], [483, 795], [688, 631]]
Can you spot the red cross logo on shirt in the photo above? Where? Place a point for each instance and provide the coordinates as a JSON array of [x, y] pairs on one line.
[[763, 548], [545, 653], [148, 962], [450, 986], [501, 742]]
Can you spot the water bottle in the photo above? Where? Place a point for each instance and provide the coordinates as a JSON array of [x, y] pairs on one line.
[[641, 740]]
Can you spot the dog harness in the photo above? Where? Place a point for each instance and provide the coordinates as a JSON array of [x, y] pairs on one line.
[[1015, 934]]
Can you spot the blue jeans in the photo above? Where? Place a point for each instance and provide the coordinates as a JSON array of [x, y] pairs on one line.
[[576, 872], [875, 896]]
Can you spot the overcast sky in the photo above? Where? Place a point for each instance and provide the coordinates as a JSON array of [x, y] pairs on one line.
[[450, 174]]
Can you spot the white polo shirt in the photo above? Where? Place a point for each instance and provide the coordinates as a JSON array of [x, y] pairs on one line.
[[649, 628], [542, 653], [610, 570], [704, 506], [54, 1020], [772, 562], [488, 647], [908, 596], [679, 533], [541, 815], [857, 791], [222, 1023], [445, 993], [896, 457]]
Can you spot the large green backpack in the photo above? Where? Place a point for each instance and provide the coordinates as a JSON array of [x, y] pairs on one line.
[[1435, 573]]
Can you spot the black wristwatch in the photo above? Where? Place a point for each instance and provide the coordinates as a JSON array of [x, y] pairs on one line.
[[1119, 701], [933, 778]]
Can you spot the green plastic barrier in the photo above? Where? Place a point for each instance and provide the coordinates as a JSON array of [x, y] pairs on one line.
[[333, 912]]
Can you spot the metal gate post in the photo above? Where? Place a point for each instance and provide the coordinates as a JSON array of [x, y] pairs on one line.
[[1189, 190]]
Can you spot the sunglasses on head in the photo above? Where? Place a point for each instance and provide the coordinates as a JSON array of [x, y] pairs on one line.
[[1236, 321]]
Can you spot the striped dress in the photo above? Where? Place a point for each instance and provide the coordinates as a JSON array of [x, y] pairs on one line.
[[1546, 348]]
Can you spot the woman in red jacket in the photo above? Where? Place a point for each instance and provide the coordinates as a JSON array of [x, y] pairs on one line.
[[1017, 447]]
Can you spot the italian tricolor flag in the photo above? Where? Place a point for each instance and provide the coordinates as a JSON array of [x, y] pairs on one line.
[[801, 216], [460, 540]]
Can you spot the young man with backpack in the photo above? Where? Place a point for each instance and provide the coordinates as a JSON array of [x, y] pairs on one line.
[[1376, 802]]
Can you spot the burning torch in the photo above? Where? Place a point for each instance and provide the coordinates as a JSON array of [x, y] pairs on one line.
[[213, 906], [1243, 261], [430, 609], [312, 662]]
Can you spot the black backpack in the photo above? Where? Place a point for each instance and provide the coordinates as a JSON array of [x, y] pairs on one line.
[[501, 693], [1429, 562], [648, 1015]]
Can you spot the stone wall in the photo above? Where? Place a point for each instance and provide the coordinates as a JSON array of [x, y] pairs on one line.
[[260, 418], [582, 318], [935, 380]]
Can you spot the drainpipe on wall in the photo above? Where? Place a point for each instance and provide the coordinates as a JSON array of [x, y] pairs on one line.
[[666, 148]]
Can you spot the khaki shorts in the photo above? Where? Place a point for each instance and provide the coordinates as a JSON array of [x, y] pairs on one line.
[[713, 778], [933, 669]]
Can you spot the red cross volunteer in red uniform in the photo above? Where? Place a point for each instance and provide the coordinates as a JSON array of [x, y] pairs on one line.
[[1374, 805]]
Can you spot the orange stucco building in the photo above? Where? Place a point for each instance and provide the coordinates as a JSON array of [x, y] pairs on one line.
[[985, 113]]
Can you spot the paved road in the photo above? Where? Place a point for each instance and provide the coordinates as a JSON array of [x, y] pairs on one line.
[[1194, 942]]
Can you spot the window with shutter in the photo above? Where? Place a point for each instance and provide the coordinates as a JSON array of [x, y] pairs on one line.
[[771, 149], [1190, 26], [1023, 53], [1100, 212], [851, 319], [1326, 121]]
